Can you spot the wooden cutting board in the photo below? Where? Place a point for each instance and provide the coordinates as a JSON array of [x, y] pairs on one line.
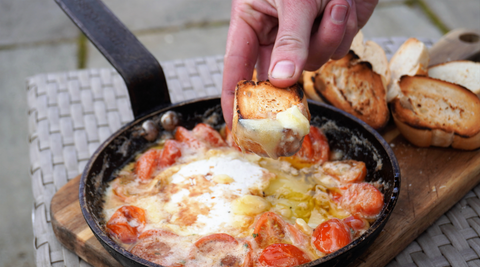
[[433, 180]]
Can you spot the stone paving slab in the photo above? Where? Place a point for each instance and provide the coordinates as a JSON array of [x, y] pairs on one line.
[[16, 191], [189, 43], [458, 13], [27, 21], [400, 20], [153, 14]]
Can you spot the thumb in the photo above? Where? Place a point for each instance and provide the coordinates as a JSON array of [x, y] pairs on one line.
[[290, 51]]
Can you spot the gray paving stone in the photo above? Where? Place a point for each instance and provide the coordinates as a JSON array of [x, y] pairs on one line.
[[457, 14], [16, 197], [400, 20], [189, 43], [150, 14], [26, 21]]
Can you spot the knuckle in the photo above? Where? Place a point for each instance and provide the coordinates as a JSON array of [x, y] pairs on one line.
[[289, 43]]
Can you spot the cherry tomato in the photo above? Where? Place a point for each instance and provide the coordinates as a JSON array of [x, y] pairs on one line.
[[185, 136], [208, 135], [153, 245], [319, 144], [346, 171], [146, 164], [269, 229], [362, 199], [331, 236], [218, 243], [356, 223], [126, 222], [314, 150], [282, 255], [170, 153]]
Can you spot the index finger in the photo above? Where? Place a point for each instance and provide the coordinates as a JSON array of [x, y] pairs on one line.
[[239, 62]]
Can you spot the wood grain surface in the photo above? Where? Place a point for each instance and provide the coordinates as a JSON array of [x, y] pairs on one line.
[[433, 180]]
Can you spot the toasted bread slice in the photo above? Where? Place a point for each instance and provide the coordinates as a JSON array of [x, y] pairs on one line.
[[410, 59], [432, 112], [358, 45], [373, 53], [353, 86], [308, 81], [270, 121], [463, 72]]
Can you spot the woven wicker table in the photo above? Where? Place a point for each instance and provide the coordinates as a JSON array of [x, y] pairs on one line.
[[72, 113]]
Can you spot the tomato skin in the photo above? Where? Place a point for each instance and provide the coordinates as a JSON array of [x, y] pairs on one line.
[[146, 164], [282, 255], [331, 236], [220, 237], [320, 145], [314, 150], [152, 247], [346, 171], [208, 135], [269, 229], [185, 136], [356, 223], [120, 224], [362, 199], [209, 245], [170, 153]]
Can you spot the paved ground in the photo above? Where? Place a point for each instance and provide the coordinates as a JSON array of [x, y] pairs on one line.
[[36, 37]]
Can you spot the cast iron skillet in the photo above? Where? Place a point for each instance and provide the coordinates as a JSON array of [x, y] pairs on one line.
[[150, 101]]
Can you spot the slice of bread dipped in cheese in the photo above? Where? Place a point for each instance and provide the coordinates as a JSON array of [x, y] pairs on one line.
[[353, 86], [463, 72], [411, 59], [270, 121], [432, 112]]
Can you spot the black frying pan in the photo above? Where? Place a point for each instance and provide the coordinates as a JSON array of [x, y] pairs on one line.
[[150, 102]]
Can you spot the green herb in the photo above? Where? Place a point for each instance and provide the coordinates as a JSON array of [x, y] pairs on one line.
[[254, 235]]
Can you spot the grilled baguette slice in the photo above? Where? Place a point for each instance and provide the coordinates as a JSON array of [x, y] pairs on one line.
[[373, 53], [270, 121], [308, 81], [411, 59], [432, 112], [463, 72], [353, 86]]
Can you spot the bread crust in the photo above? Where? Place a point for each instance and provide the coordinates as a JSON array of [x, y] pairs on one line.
[[462, 72], [353, 86], [308, 81], [432, 112], [261, 100], [411, 59]]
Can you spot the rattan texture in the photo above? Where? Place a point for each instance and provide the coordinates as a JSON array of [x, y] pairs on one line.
[[72, 113]]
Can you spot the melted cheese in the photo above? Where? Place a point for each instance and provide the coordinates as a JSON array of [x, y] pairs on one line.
[[270, 134]]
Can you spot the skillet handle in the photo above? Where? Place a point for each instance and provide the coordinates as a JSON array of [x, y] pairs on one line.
[[143, 75]]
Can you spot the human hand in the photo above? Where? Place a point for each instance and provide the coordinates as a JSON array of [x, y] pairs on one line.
[[284, 37]]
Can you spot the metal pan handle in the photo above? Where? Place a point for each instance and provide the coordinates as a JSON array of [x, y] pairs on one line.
[[141, 72]]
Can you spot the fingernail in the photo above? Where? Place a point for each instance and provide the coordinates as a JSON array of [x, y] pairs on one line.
[[283, 70], [339, 12]]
